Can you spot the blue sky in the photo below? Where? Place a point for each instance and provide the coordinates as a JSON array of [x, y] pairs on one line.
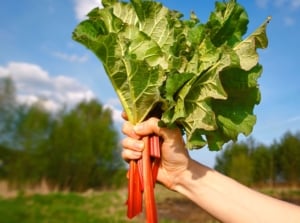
[[37, 51]]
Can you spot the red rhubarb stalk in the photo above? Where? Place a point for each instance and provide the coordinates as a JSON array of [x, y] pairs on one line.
[[151, 212], [142, 176], [135, 198], [154, 146], [155, 156], [155, 167], [140, 171]]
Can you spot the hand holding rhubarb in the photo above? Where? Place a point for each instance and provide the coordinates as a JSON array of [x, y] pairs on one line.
[[174, 156]]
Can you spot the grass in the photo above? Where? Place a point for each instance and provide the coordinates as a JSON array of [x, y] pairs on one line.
[[64, 208], [95, 207], [290, 194], [107, 206]]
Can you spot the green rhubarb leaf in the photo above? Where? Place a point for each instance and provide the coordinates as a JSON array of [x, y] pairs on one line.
[[246, 50], [218, 101], [228, 23], [129, 41], [201, 77], [174, 83]]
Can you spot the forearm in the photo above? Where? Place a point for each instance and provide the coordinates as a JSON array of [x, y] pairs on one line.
[[230, 201]]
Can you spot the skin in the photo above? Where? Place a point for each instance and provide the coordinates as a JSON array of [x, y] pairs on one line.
[[221, 196]]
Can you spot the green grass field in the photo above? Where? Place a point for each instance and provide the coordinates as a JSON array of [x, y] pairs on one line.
[[107, 206], [63, 208]]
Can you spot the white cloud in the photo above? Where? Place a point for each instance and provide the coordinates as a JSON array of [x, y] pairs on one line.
[[71, 57], [282, 4], [34, 84], [286, 8], [294, 119], [82, 7], [288, 21], [295, 3], [115, 106], [262, 3]]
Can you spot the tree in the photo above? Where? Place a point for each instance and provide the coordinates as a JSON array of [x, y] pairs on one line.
[[235, 162], [256, 163], [31, 132], [82, 148], [288, 155], [7, 109], [7, 156], [263, 161]]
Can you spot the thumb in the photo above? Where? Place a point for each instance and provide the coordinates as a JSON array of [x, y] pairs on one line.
[[148, 127], [151, 126]]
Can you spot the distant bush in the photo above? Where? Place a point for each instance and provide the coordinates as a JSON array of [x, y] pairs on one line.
[[255, 163]]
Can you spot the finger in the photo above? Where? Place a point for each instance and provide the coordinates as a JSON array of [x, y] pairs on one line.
[[127, 129], [147, 127], [128, 155], [151, 126], [124, 115], [133, 144]]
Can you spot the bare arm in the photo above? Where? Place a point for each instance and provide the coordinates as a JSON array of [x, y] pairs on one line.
[[222, 197], [230, 201]]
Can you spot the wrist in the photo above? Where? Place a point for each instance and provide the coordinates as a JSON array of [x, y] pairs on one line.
[[192, 173], [195, 181]]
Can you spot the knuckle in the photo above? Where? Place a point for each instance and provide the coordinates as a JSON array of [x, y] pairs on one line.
[[125, 128]]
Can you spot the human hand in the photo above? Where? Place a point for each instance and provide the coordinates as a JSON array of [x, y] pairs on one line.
[[174, 156]]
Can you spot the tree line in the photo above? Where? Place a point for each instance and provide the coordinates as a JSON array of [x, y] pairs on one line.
[[73, 149], [257, 164], [79, 148]]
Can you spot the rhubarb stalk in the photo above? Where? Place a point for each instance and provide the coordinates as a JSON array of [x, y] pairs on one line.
[[142, 176], [155, 156], [151, 212], [135, 199]]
